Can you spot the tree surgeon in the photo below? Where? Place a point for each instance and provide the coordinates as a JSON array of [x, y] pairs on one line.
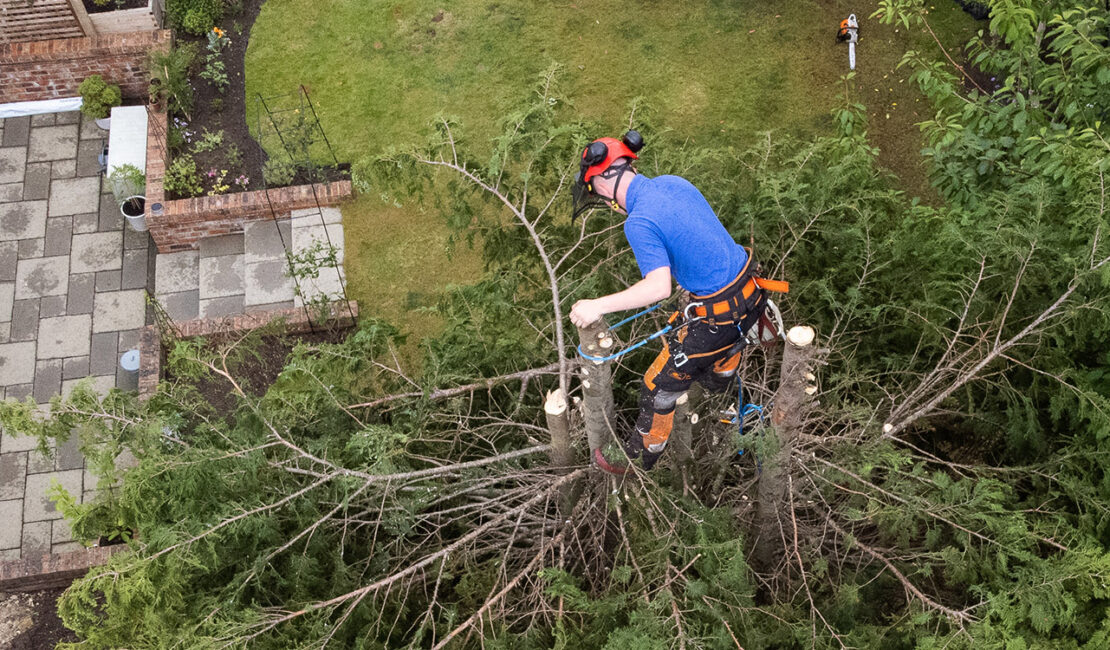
[[673, 232]]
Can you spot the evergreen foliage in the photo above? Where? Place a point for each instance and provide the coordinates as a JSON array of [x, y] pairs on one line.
[[949, 493]]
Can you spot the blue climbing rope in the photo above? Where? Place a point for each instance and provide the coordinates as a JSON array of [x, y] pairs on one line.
[[639, 344], [745, 410]]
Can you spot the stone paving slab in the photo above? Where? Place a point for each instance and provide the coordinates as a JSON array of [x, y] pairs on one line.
[[98, 251], [11, 533], [119, 310], [36, 182], [52, 143], [48, 379], [266, 240], [221, 276], [25, 320], [86, 222], [182, 305], [107, 281], [45, 276], [319, 236], [52, 306], [9, 254], [12, 162], [73, 195], [7, 300], [10, 443], [75, 367], [37, 506], [134, 269], [328, 283], [102, 358], [220, 246], [22, 220], [82, 288], [17, 363], [65, 336], [100, 384], [31, 248], [11, 192], [36, 538], [222, 307], [59, 231], [175, 272], [13, 472], [37, 462], [267, 282], [17, 131]]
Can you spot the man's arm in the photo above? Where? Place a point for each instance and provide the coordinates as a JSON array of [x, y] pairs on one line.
[[655, 286]]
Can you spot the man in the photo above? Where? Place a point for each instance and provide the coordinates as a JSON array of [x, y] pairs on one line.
[[673, 233]]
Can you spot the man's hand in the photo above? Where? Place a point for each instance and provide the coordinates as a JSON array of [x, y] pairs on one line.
[[585, 312]]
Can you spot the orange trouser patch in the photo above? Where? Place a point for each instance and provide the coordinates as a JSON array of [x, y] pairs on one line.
[[661, 425], [727, 365], [656, 367]]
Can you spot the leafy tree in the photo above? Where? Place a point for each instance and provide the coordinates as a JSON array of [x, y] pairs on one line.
[[946, 491]]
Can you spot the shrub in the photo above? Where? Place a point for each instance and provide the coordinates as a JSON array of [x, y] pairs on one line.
[[170, 71], [194, 16], [98, 96], [182, 178], [278, 173]]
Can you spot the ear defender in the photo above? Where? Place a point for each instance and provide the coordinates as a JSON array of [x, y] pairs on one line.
[[633, 140], [595, 153]]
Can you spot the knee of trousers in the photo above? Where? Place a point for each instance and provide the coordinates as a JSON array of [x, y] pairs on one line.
[[664, 401]]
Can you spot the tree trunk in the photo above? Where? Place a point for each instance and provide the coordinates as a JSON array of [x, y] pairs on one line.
[[598, 411], [559, 425], [793, 401]]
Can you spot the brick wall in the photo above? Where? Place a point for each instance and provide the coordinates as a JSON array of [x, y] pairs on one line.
[[294, 321], [184, 222], [38, 70], [51, 571]]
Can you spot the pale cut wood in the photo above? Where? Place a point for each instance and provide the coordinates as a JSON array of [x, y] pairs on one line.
[[558, 424]]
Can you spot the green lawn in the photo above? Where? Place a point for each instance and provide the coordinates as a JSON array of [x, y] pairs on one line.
[[378, 72]]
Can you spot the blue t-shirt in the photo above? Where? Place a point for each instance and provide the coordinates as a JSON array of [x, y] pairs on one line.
[[671, 224]]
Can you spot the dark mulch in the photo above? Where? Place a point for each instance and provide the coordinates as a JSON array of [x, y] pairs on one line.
[[227, 111], [46, 628], [93, 7], [258, 371]]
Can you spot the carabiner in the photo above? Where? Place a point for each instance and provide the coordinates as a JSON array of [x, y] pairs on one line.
[[686, 312]]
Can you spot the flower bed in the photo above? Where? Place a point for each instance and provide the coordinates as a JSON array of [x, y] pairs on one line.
[[203, 165], [294, 321]]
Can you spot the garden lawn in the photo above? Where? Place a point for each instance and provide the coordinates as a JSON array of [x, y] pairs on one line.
[[378, 72]]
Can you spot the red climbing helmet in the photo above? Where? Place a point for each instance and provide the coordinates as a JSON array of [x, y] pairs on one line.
[[597, 158]]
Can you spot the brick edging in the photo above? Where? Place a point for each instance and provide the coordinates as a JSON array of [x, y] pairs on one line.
[[48, 571], [296, 320], [184, 222]]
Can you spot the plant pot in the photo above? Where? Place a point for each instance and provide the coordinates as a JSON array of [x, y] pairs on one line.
[[104, 122], [133, 209]]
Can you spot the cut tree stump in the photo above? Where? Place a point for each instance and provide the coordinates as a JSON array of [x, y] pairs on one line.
[[793, 402]]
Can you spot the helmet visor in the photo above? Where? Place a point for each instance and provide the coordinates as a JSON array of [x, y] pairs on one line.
[[584, 199]]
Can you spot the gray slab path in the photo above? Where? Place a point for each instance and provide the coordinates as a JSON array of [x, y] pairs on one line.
[[71, 302]]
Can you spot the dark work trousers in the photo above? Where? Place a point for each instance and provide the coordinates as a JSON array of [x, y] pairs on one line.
[[712, 357]]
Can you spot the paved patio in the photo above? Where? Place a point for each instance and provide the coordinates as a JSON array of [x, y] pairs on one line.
[[72, 281]]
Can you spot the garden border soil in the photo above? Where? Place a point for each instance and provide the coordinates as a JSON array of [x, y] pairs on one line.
[[296, 320]]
